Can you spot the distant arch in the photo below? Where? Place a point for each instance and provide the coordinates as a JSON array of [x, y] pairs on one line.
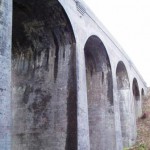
[[135, 89], [142, 92], [122, 76], [99, 94], [136, 96], [123, 86]]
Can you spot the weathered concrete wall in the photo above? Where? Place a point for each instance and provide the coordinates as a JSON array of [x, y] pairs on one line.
[[136, 97], [123, 85], [85, 29], [68, 92], [5, 74], [43, 77], [99, 95]]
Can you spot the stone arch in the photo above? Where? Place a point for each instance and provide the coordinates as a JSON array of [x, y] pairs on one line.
[[123, 86], [43, 76], [136, 96], [99, 95], [142, 92], [122, 76], [142, 96]]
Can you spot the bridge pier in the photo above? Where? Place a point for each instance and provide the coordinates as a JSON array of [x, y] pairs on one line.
[[82, 105], [5, 74], [61, 73]]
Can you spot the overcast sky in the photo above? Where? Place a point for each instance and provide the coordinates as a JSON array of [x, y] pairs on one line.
[[129, 22]]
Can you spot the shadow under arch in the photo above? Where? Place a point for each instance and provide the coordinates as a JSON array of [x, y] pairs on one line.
[[136, 96], [142, 96], [99, 95], [123, 85], [43, 77], [142, 93]]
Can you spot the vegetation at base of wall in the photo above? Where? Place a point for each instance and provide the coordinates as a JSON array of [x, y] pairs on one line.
[[141, 146], [143, 127]]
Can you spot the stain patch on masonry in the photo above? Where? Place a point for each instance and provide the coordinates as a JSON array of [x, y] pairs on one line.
[[43, 74]]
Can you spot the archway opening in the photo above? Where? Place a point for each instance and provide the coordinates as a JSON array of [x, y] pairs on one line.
[[44, 78], [99, 94], [123, 85], [136, 96], [142, 93]]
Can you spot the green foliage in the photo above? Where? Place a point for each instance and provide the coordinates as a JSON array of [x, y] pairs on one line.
[[125, 148], [142, 147], [137, 147]]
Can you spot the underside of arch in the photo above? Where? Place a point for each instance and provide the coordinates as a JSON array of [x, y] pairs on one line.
[[123, 85], [142, 92], [136, 96], [99, 95], [43, 75]]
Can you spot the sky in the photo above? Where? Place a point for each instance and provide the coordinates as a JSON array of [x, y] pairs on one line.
[[129, 23]]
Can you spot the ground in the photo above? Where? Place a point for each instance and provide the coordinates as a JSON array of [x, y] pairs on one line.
[[143, 127]]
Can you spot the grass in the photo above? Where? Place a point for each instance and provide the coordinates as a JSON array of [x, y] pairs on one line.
[[143, 127]]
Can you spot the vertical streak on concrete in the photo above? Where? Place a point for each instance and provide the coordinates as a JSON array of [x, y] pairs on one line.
[[124, 100], [133, 120], [140, 107], [133, 128], [82, 107], [142, 98], [119, 143], [5, 73]]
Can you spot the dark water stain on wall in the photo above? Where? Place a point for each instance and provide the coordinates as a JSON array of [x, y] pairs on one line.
[[56, 56], [71, 142], [44, 78]]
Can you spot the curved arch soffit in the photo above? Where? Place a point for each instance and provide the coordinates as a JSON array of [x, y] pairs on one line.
[[69, 19], [135, 89], [99, 44], [66, 14], [55, 74], [122, 76], [142, 92]]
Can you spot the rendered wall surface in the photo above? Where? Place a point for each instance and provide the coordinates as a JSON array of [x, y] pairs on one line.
[[99, 95], [43, 77], [5, 74], [65, 83]]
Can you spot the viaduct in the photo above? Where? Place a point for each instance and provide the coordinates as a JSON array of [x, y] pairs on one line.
[[65, 83]]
